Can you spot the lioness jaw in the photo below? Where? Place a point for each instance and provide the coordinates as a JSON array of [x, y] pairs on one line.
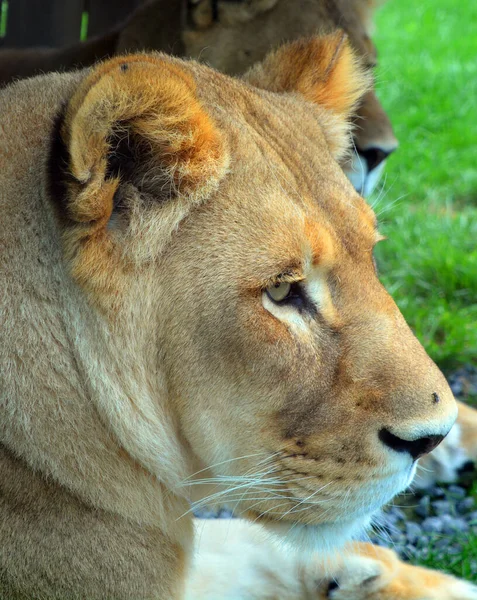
[[188, 288]]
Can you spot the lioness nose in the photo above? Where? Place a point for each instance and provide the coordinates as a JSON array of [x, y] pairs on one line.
[[416, 448], [374, 156]]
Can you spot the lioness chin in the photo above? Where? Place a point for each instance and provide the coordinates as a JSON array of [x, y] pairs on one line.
[[190, 307]]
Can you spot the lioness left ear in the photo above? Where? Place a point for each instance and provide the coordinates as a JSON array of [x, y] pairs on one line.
[[324, 70]]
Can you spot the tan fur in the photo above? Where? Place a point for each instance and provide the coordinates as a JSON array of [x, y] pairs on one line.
[[243, 34], [146, 207]]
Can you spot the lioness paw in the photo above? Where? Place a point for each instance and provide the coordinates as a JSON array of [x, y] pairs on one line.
[[358, 578], [374, 573]]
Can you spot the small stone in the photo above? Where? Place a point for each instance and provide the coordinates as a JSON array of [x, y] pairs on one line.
[[463, 382], [398, 513], [437, 492], [410, 550], [441, 544], [454, 549], [424, 507], [413, 532], [424, 541], [388, 520], [432, 525], [472, 517], [456, 491], [463, 506], [421, 553], [456, 387], [461, 525], [441, 507], [453, 525]]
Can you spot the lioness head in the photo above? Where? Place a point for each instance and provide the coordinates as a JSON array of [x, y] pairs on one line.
[[233, 35], [209, 223]]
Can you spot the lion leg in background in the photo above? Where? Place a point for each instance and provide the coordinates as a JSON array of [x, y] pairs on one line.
[[467, 421], [238, 560]]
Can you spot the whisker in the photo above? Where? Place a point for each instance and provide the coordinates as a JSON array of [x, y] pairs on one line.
[[259, 481], [223, 462]]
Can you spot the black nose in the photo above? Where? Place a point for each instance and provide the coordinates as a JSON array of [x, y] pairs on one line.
[[416, 448], [374, 156]]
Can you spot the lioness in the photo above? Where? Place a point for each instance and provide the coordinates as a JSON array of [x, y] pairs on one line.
[[231, 36], [188, 296]]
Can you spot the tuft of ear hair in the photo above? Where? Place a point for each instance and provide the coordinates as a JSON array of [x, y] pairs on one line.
[[138, 116], [324, 70]]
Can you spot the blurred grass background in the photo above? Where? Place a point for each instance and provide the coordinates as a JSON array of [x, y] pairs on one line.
[[427, 206]]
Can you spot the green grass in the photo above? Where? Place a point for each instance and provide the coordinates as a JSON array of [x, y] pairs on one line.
[[460, 565], [427, 81], [84, 26], [3, 18]]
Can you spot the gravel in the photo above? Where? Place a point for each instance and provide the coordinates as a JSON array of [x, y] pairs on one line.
[[439, 518], [463, 382]]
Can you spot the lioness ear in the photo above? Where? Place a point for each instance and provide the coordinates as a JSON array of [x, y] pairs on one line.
[[136, 120], [324, 70]]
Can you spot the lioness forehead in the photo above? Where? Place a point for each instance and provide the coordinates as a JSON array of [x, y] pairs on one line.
[[283, 178]]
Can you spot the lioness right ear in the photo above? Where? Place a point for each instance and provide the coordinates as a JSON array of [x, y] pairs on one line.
[[140, 151], [325, 71], [137, 120]]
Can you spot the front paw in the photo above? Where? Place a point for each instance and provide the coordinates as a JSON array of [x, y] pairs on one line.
[[372, 573], [359, 577]]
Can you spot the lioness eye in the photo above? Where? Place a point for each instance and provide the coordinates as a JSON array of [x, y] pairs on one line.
[[279, 291]]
